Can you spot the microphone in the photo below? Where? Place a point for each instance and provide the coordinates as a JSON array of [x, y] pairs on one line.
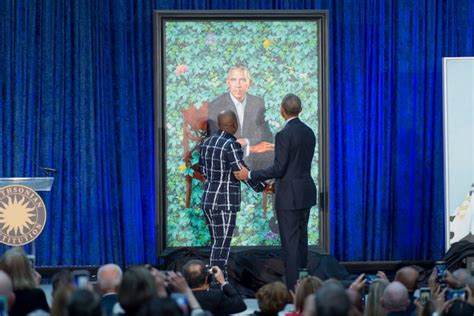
[[47, 170]]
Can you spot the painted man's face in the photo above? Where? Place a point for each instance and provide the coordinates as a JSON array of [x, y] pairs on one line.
[[238, 83]]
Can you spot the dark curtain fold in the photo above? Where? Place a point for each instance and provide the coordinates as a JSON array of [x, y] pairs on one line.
[[76, 93]]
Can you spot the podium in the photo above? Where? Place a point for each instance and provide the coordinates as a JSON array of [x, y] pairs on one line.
[[36, 184], [16, 196]]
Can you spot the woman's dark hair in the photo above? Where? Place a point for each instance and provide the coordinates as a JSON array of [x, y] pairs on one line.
[[161, 307], [84, 303], [136, 290]]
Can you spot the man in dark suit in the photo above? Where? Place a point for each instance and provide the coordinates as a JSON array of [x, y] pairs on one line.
[[220, 155], [223, 301], [295, 191], [109, 277], [253, 133]]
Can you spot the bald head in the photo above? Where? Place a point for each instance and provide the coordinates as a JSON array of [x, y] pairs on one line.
[[109, 277], [462, 275], [395, 297], [227, 121], [408, 277]]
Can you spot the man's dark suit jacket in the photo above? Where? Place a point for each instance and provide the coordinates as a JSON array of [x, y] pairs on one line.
[[108, 301], [221, 303], [254, 128], [294, 150]]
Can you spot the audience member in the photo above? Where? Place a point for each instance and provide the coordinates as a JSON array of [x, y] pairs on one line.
[[395, 299], [160, 281], [222, 301], [60, 279], [309, 308], [136, 290], [304, 288], [357, 307], [6, 289], [84, 302], [178, 284], [272, 298], [376, 289], [61, 297], [332, 300], [459, 308], [109, 277], [28, 298], [463, 276], [161, 307], [408, 276]]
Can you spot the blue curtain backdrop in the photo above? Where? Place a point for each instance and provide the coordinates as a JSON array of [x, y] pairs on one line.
[[76, 93]]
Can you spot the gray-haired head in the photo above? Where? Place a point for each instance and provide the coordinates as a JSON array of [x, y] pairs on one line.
[[395, 297], [240, 67], [109, 277], [462, 275], [332, 300], [292, 104]]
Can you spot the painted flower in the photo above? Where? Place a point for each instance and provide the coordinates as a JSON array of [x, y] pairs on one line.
[[267, 43], [270, 236], [182, 168], [181, 69]]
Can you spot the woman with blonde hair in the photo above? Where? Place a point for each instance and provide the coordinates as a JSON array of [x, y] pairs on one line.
[[373, 306], [304, 288], [28, 296], [272, 299]]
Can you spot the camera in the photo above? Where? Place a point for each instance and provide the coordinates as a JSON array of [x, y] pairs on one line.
[[302, 273], [81, 278], [211, 270], [425, 295], [440, 270], [455, 294], [370, 278], [211, 275]]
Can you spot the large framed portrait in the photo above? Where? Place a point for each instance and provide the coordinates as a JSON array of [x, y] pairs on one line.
[[246, 61]]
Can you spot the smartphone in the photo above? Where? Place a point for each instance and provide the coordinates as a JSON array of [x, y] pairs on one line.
[[3, 305], [440, 270], [370, 278], [303, 273], [456, 294], [81, 278], [32, 260], [425, 295], [182, 302]]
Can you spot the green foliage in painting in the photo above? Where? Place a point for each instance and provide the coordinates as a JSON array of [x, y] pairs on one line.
[[282, 57]]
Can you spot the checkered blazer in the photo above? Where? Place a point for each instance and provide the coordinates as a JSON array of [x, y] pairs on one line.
[[220, 155]]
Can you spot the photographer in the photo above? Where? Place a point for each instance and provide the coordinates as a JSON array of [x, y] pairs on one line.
[[220, 302]]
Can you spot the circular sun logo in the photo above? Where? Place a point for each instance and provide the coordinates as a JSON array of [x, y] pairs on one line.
[[22, 215]]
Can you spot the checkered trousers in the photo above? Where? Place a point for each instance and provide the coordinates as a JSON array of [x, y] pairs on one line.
[[221, 226]]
